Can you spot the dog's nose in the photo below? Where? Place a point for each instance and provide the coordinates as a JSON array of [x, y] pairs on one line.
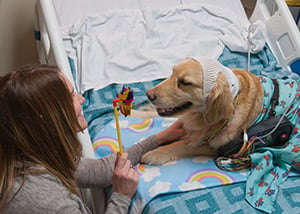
[[151, 96]]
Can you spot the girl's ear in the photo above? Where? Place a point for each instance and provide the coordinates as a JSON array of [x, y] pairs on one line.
[[219, 103]]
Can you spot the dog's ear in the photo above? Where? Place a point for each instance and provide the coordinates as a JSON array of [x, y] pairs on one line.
[[219, 102]]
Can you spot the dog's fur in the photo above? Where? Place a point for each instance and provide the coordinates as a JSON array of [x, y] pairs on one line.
[[185, 88]]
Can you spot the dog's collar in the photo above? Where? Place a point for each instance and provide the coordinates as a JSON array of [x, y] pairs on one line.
[[218, 129], [211, 68]]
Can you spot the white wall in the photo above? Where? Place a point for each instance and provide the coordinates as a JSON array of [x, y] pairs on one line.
[[17, 44]]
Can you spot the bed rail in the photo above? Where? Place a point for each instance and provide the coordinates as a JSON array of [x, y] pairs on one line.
[[51, 51], [283, 36]]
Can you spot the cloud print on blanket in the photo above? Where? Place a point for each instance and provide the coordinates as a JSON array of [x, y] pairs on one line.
[[177, 176], [137, 44]]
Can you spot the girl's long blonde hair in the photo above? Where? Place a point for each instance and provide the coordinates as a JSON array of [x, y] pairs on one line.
[[38, 127]]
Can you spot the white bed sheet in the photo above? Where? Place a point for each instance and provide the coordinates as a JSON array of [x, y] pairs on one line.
[[68, 16], [126, 46]]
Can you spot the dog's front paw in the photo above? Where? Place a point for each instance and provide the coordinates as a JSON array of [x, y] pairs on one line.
[[157, 157]]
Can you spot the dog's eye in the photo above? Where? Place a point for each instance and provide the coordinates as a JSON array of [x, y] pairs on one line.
[[183, 82]]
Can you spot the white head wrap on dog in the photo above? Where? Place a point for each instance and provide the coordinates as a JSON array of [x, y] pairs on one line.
[[211, 68]]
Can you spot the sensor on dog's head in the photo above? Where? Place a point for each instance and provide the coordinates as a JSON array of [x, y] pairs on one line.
[[211, 67]]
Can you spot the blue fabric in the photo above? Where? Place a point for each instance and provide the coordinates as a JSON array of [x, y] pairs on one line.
[[271, 166], [98, 108], [191, 173], [228, 199], [37, 35], [295, 66], [262, 63]]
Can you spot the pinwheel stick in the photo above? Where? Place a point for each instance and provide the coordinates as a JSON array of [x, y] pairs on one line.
[[117, 125], [124, 99]]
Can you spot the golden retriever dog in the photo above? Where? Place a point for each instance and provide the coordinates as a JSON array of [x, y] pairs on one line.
[[215, 107]]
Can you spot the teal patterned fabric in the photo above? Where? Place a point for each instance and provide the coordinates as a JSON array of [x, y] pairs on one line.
[[228, 199], [271, 166]]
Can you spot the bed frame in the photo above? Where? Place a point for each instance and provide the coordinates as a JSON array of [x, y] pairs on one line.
[[283, 38]]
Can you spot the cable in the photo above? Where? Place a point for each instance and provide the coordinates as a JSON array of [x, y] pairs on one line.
[[249, 54]]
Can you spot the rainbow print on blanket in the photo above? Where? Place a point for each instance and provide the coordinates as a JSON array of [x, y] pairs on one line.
[[106, 145], [178, 176], [200, 175]]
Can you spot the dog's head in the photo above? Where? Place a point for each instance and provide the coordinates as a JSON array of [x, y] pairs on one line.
[[184, 92]]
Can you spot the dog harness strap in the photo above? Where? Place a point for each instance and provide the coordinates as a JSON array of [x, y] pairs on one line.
[[274, 99], [235, 146]]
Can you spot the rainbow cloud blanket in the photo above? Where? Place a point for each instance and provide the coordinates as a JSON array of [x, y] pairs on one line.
[[179, 176]]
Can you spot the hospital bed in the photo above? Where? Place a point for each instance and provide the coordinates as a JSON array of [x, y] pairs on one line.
[[101, 45]]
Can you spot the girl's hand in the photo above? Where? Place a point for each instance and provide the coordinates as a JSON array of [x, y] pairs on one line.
[[172, 133], [125, 179]]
